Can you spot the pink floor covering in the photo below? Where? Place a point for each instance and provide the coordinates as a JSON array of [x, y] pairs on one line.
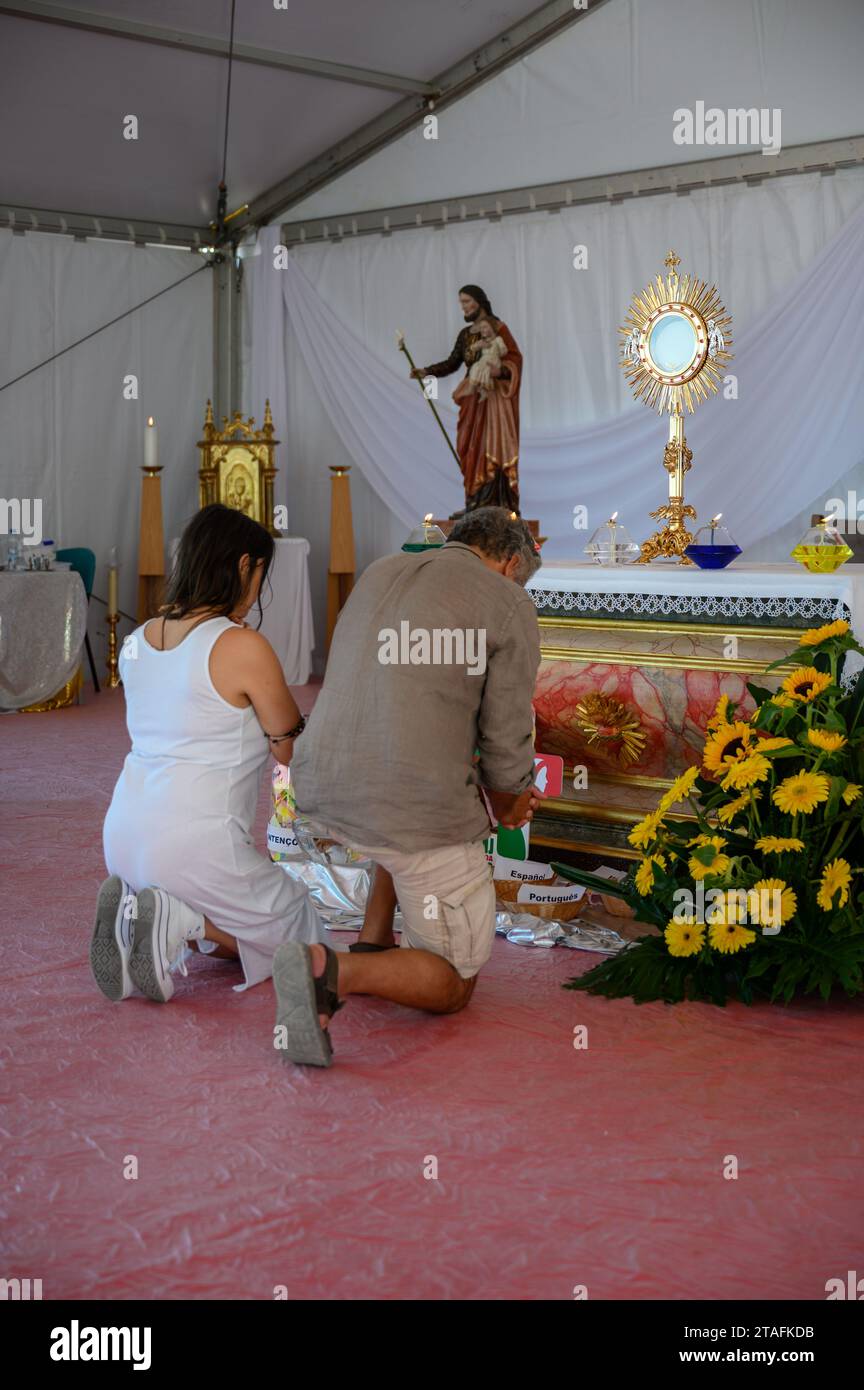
[[556, 1167]]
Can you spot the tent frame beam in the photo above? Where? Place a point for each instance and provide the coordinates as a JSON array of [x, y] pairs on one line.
[[214, 47], [749, 168], [543, 24]]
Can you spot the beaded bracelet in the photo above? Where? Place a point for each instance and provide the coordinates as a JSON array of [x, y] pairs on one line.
[[292, 733]]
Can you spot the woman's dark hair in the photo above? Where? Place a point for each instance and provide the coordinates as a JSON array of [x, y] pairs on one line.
[[206, 573]]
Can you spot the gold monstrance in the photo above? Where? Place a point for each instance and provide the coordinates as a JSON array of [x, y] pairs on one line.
[[673, 347]]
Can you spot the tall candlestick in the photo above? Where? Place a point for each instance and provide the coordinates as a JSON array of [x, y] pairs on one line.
[[112, 591], [151, 451]]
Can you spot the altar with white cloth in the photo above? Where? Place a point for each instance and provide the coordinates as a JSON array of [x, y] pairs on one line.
[[634, 660], [43, 620]]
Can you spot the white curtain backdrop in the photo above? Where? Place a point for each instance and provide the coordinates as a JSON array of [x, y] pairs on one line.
[[786, 258], [67, 434]]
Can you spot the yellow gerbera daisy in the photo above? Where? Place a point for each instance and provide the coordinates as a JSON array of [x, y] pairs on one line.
[[801, 792], [851, 793], [746, 773], [729, 742], [729, 936], [765, 745], [645, 833], [805, 684], [644, 876], [825, 739], [782, 701], [814, 635], [727, 813], [720, 715], [771, 902], [836, 877], [679, 790], [718, 864], [684, 938], [779, 844]]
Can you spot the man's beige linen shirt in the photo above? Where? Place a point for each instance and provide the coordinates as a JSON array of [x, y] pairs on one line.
[[434, 657]]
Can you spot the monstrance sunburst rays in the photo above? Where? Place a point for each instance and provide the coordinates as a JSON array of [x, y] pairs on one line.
[[701, 305]]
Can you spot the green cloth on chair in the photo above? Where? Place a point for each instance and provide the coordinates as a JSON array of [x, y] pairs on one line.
[[83, 561]]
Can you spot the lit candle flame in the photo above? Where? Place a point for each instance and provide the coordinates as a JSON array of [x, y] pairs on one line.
[[400, 338], [715, 520], [613, 518], [150, 421], [427, 518]]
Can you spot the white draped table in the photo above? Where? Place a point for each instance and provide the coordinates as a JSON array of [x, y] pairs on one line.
[[287, 607], [43, 619]]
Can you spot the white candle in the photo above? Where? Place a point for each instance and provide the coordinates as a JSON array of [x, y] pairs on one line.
[[151, 456]]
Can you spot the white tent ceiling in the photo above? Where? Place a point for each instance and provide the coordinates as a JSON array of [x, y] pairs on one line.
[[66, 90], [600, 99]]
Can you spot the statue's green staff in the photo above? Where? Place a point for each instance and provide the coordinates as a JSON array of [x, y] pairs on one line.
[[400, 339]]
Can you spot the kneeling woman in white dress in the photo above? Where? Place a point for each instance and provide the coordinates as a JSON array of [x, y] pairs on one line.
[[206, 705]]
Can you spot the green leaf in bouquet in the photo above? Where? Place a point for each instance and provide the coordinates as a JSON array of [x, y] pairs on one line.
[[759, 694], [613, 888]]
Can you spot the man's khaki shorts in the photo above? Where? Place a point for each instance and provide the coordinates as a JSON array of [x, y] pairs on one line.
[[447, 900]]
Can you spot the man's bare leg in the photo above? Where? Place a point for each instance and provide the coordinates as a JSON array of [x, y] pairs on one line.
[[419, 979], [226, 948], [377, 929]]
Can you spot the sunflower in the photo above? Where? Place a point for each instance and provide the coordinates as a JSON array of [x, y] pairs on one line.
[[729, 742], [829, 742], [851, 793], [729, 936], [779, 844], [782, 701], [746, 772], [644, 876], [679, 790], [805, 684], [771, 902], [814, 635], [645, 833], [727, 813], [767, 745], [801, 792], [720, 715], [836, 876], [719, 862], [684, 938]]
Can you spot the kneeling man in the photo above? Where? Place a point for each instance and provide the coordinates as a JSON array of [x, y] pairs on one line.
[[427, 698]]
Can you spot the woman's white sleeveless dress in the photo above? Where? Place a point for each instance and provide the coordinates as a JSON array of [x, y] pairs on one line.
[[184, 805]]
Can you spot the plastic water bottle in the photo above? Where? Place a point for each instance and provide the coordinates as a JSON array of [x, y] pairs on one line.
[[14, 551]]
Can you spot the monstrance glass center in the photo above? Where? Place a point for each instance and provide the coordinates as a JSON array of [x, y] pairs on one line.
[[672, 344]]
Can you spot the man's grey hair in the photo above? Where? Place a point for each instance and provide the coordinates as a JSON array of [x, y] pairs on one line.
[[499, 535]]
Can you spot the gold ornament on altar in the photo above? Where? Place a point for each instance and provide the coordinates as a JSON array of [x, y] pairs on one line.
[[237, 466], [673, 349], [608, 724]]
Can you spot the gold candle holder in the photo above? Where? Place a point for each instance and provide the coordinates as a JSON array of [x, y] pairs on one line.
[[113, 667]]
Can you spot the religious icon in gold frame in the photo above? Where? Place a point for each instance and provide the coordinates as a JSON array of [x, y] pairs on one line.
[[237, 466]]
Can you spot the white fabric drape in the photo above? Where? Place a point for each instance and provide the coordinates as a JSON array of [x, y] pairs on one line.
[[786, 259], [68, 434]]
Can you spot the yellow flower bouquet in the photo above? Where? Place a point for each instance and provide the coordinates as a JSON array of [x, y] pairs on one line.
[[760, 892]]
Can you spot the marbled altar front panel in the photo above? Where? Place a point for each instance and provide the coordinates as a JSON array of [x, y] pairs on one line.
[[658, 688]]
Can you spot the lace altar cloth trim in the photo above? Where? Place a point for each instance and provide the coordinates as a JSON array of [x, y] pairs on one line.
[[693, 605]]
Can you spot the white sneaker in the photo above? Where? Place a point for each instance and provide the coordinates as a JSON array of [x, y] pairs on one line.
[[162, 928], [111, 943]]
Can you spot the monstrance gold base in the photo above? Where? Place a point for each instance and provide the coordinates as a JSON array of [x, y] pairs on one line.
[[673, 539]]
